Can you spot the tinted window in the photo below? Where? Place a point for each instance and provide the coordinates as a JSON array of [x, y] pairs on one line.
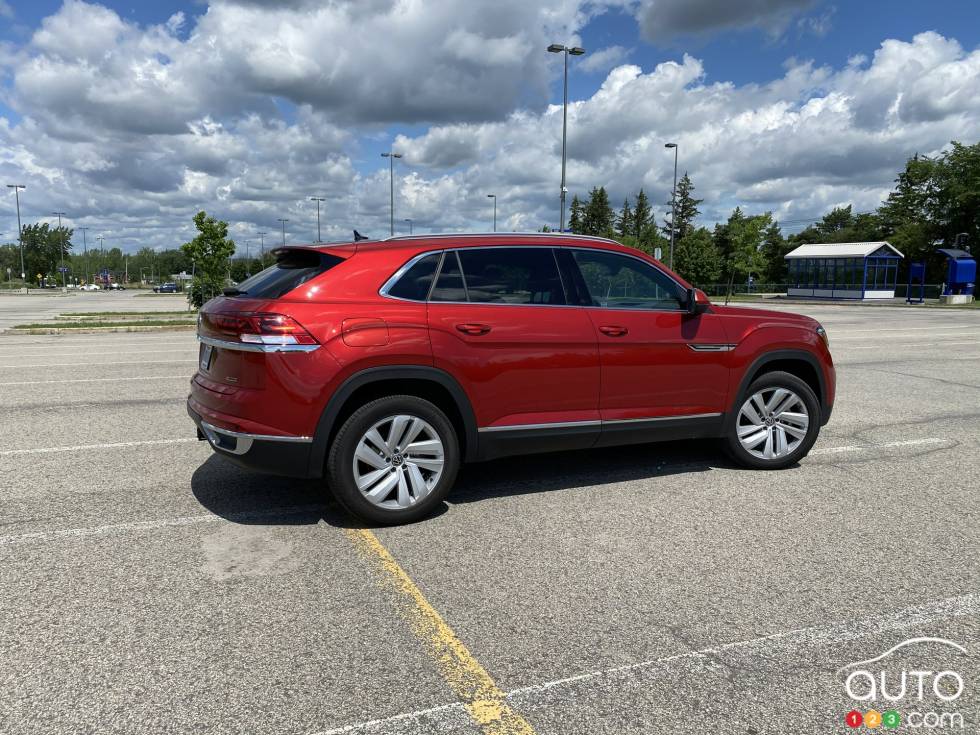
[[512, 276], [620, 282], [415, 282], [449, 286], [293, 268]]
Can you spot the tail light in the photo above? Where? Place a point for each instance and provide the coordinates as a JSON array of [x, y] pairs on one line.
[[259, 329]]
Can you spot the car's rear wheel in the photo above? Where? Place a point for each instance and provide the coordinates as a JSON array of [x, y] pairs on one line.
[[776, 423], [394, 460]]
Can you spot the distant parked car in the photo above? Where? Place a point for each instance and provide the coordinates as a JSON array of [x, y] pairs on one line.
[[165, 288], [91, 287], [116, 287]]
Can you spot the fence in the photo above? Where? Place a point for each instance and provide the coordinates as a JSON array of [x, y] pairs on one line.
[[931, 290]]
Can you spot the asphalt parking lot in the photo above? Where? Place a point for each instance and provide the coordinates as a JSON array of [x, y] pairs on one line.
[[147, 586]]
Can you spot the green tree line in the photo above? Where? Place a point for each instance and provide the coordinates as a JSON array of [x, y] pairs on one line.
[[935, 200]]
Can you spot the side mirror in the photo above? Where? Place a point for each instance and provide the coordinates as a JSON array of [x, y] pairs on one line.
[[697, 301]]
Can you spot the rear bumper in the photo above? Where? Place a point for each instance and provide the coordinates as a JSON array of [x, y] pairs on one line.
[[288, 456]]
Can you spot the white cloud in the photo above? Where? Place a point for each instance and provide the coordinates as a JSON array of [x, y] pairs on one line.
[[604, 59]]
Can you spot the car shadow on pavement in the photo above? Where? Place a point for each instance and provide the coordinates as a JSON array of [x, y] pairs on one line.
[[246, 497], [525, 475]]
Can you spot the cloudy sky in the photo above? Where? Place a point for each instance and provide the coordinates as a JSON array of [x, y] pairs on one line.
[[130, 116]]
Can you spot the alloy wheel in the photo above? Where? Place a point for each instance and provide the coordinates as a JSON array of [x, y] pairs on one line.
[[398, 461], [772, 423]]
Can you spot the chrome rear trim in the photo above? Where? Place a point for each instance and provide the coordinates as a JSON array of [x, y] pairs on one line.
[[243, 441], [253, 347]]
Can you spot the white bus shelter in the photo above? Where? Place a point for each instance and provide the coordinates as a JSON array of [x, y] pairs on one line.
[[844, 270]]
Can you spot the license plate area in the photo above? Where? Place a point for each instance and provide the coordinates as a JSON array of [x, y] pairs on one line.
[[207, 356]]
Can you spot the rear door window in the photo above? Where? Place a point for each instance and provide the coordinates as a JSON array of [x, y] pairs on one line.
[[292, 269], [517, 275]]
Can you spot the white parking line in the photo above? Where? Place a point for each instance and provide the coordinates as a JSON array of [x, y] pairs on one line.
[[905, 443], [793, 640], [96, 364], [86, 447], [96, 380], [41, 536], [114, 352]]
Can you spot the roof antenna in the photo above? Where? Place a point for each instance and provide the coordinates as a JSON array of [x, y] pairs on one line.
[[358, 236]]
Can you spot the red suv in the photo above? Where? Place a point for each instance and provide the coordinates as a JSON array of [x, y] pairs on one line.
[[382, 366]]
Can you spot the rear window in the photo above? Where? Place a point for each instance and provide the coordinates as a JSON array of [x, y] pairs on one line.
[[292, 269]]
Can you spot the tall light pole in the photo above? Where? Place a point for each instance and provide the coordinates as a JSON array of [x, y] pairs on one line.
[[284, 221], [101, 239], [391, 156], [20, 230], [410, 229], [494, 197], [557, 48], [85, 250], [247, 259], [673, 206], [62, 233], [317, 200], [262, 246]]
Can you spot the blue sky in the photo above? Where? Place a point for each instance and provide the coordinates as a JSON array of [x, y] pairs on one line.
[[296, 98]]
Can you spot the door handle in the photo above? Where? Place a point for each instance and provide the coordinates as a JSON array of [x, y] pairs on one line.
[[614, 331], [473, 329]]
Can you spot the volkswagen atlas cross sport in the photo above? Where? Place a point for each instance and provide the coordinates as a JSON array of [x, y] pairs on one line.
[[381, 366]]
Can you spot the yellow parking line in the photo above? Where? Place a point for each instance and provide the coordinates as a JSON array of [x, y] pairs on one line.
[[470, 682]]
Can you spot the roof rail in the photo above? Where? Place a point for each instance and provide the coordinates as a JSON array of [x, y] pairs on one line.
[[568, 235]]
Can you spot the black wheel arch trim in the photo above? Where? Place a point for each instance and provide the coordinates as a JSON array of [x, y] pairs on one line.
[[777, 355], [328, 418]]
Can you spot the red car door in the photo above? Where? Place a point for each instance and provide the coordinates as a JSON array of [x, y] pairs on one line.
[[499, 323], [657, 361]]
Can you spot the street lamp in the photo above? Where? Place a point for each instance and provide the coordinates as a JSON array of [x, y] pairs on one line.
[[494, 197], [317, 200], [85, 250], [391, 178], [284, 221], [673, 206], [20, 230], [557, 48], [262, 246], [247, 259], [410, 231], [62, 233], [105, 279]]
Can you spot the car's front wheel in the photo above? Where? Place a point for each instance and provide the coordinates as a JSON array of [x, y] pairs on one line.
[[776, 423], [394, 460]]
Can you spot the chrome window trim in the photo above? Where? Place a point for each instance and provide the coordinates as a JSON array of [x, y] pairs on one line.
[[244, 441], [600, 423], [253, 347], [383, 291]]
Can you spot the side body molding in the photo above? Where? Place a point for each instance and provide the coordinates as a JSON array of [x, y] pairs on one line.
[[328, 418]]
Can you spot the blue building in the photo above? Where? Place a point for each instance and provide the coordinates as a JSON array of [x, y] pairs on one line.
[[844, 270]]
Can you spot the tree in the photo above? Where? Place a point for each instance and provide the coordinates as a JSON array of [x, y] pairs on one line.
[[642, 217], [209, 253], [624, 222], [697, 258], [744, 237], [774, 250], [598, 217], [687, 209], [575, 216], [44, 249]]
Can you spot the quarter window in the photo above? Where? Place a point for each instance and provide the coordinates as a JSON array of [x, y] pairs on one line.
[[414, 283], [619, 282]]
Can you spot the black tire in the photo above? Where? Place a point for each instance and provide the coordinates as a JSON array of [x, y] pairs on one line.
[[340, 460], [776, 379]]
